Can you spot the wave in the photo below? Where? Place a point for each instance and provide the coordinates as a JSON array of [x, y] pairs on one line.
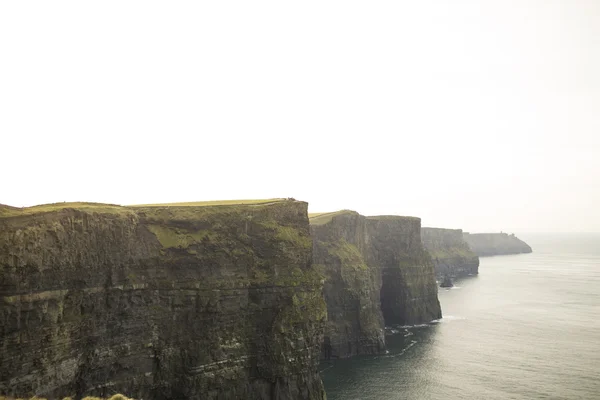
[[447, 318]]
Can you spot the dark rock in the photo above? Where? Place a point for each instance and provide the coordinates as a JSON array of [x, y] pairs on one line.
[[447, 282]]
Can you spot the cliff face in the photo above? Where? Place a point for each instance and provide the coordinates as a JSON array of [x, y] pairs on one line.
[[450, 253], [409, 289], [376, 273], [352, 287], [160, 302], [492, 244]]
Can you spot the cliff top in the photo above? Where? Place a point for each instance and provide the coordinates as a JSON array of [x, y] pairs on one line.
[[393, 217], [441, 230], [323, 218], [213, 203], [9, 211]]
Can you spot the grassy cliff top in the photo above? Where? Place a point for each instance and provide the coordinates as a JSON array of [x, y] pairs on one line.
[[9, 211], [213, 203], [428, 229], [323, 218], [393, 217]]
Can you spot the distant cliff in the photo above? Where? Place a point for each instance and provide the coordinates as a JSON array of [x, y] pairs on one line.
[[492, 244], [198, 301], [450, 253], [376, 272]]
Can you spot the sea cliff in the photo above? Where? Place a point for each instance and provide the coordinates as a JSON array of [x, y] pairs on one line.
[[408, 290], [183, 301], [352, 287], [376, 273], [492, 244], [450, 253]]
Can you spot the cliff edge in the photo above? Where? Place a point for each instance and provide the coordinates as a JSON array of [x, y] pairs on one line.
[[193, 300], [492, 244]]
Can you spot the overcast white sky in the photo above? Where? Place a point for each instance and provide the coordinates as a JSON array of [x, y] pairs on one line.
[[482, 115]]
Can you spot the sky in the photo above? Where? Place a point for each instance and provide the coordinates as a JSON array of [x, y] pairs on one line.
[[482, 115]]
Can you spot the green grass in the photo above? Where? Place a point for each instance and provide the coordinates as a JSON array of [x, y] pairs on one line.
[[347, 253], [393, 217], [212, 203], [8, 211], [178, 238], [323, 218]]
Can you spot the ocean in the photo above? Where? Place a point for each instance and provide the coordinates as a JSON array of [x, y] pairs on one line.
[[528, 327]]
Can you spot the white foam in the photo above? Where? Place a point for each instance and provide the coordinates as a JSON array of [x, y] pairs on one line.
[[448, 318]]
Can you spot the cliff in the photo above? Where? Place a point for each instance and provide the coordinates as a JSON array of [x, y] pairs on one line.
[[182, 301], [450, 253], [377, 273], [492, 244], [352, 287], [409, 289]]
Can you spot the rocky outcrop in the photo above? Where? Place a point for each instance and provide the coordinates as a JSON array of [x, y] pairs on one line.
[[377, 273], [208, 302], [450, 253], [352, 287], [408, 290], [492, 244]]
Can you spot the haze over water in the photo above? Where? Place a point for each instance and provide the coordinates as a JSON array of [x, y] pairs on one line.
[[528, 327]]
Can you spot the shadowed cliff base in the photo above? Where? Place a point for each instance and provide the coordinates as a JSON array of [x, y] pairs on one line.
[[450, 253], [493, 244], [166, 301]]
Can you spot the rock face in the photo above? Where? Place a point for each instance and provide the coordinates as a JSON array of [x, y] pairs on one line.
[[376, 272], [492, 244], [408, 290], [209, 302], [352, 287], [450, 253]]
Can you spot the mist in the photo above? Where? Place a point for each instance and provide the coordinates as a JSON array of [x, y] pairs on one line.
[[480, 115]]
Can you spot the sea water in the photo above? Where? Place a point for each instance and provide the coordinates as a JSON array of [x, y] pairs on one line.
[[527, 327]]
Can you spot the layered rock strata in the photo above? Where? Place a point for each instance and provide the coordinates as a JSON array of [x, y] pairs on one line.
[[450, 253], [493, 244], [207, 302]]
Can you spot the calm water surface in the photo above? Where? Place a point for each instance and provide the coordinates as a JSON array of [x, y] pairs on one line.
[[528, 327]]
